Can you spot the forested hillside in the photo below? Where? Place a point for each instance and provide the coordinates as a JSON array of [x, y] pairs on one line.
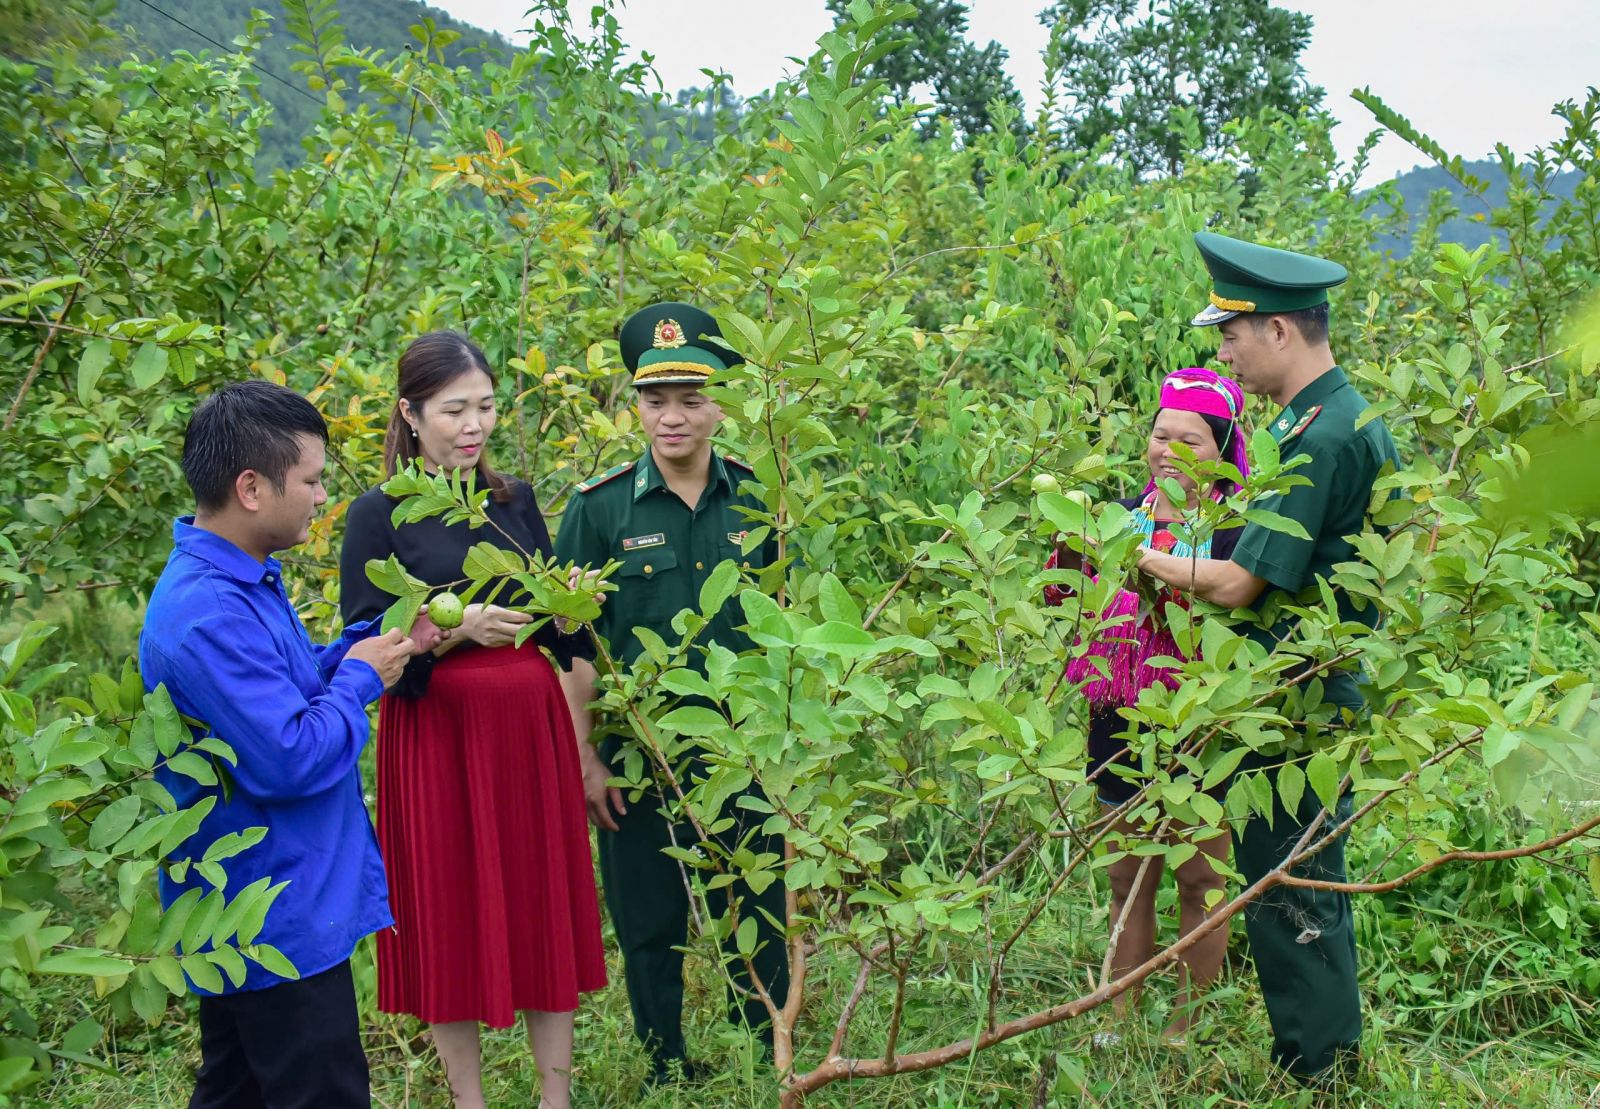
[[1428, 192], [157, 28]]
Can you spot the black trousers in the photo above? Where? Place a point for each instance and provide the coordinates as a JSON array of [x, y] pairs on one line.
[[649, 909], [293, 1046]]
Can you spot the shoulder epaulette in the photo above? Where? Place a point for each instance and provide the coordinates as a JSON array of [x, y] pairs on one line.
[[1305, 421], [609, 475]]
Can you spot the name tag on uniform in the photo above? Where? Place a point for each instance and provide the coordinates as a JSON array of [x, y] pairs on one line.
[[656, 540]]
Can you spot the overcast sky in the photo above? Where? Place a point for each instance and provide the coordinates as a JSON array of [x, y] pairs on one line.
[[1469, 73]]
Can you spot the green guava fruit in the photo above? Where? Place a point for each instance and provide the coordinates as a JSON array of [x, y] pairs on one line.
[[446, 611]]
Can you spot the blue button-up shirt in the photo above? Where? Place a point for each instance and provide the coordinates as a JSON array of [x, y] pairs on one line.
[[220, 634]]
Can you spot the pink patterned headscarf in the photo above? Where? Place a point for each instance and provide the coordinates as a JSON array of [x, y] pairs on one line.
[[1196, 389]]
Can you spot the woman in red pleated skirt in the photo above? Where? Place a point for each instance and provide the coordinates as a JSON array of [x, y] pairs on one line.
[[476, 781], [480, 797]]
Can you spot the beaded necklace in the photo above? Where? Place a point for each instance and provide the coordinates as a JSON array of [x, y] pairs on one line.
[[1144, 519]]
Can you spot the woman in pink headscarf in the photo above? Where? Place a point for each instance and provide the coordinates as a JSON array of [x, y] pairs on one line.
[[1201, 410]]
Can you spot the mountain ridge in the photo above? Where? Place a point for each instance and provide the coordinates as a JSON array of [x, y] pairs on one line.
[[159, 28]]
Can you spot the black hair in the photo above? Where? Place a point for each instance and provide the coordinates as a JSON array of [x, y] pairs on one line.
[[1312, 322], [426, 366], [1222, 430], [248, 425]]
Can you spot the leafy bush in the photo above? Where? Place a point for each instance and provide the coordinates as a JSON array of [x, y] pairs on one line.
[[80, 813]]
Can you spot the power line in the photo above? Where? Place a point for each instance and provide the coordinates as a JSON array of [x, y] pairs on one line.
[[229, 50]]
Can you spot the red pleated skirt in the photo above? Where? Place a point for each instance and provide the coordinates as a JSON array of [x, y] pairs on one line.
[[482, 823]]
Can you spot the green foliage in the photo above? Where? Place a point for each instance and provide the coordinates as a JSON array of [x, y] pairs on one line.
[[80, 808], [968, 82], [294, 77], [1156, 83], [513, 577], [927, 325], [32, 28]]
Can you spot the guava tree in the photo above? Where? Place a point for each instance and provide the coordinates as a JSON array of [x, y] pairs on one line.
[[905, 713]]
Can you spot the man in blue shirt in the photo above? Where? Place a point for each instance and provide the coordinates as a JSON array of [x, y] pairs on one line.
[[221, 635]]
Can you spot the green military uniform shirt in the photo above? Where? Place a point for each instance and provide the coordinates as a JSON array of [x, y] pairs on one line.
[[667, 550], [1320, 421]]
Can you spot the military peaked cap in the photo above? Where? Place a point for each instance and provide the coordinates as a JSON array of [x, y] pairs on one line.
[[1249, 277], [669, 344]]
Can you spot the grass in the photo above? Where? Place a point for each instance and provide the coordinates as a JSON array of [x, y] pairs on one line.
[[95, 629], [1492, 1019], [1411, 1055]]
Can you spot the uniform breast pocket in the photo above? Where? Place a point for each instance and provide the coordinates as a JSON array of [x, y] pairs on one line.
[[729, 549], [649, 587]]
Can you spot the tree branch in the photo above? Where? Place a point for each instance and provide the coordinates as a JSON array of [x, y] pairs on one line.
[[38, 359], [1448, 857]]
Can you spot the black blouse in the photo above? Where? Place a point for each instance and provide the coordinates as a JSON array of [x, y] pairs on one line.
[[434, 552]]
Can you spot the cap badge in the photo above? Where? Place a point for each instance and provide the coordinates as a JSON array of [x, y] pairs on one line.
[[669, 336]]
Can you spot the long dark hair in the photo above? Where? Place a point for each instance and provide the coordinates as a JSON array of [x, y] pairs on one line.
[[427, 365], [1223, 432]]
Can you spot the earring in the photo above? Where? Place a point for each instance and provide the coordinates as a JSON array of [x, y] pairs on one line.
[[413, 433]]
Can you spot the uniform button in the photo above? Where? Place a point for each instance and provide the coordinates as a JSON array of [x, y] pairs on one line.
[[647, 567], [699, 565]]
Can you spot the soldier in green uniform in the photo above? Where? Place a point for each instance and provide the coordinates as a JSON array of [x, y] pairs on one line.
[[670, 518], [1271, 307]]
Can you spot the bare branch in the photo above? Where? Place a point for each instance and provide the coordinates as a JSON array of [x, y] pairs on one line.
[[1448, 857], [38, 359]]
